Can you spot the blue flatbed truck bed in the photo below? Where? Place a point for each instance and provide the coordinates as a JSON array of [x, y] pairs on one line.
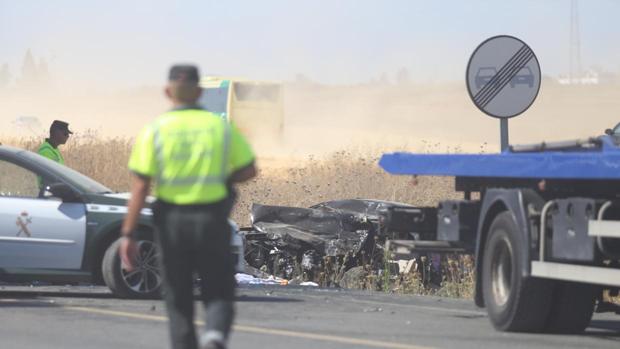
[[544, 229]]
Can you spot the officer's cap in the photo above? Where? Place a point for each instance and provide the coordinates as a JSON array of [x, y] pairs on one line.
[[60, 125], [184, 73]]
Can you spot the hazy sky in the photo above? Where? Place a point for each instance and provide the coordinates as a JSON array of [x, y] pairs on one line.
[[133, 42]]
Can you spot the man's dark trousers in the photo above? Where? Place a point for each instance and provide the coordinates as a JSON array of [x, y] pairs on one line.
[[196, 238]]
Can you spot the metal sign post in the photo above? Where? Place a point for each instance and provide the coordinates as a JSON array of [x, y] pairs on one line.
[[503, 79], [503, 131]]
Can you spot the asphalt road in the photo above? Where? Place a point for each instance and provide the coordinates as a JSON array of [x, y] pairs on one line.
[[272, 317]]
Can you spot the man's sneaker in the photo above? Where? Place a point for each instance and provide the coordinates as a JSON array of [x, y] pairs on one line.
[[212, 340], [214, 345]]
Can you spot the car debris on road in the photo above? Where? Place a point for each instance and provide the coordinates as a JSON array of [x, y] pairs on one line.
[[320, 243]]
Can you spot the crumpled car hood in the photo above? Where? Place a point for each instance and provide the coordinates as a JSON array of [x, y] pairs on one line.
[[283, 236]]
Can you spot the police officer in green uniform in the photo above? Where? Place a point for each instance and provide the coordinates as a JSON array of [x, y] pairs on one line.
[[59, 134], [193, 157]]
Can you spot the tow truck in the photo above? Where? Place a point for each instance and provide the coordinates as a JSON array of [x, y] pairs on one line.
[[542, 221]]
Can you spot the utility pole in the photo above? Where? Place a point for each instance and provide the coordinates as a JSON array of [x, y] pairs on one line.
[[574, 72]]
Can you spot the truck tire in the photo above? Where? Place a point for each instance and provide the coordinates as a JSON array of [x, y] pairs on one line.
[[142, 283], [572, 306], [514, 303]]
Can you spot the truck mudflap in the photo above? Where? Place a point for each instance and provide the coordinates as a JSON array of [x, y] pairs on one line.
[[521, 203]]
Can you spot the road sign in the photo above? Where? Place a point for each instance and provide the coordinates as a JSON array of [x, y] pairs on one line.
[[503, 76]]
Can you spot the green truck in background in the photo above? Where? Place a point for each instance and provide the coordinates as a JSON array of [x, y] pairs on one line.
[[255, 107]]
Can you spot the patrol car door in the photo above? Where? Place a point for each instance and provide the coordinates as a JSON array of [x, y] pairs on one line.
[[37, 232]]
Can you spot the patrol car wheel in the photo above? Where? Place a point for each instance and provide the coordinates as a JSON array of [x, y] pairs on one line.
[[514, 303], [143, 282]]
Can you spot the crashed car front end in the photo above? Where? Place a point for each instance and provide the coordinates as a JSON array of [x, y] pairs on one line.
[[330, 237]]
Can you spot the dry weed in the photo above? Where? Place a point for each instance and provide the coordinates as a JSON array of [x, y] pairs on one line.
[[340, 175]]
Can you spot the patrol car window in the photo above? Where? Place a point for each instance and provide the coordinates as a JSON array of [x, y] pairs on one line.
[[16, 181]]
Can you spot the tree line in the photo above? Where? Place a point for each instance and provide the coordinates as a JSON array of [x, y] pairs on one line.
[[34, 74]]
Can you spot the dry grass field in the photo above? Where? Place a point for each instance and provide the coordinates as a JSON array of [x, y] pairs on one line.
[[295, 182]]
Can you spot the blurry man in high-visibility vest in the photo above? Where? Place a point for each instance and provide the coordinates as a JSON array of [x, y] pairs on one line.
[[193, 157], [59, 134]]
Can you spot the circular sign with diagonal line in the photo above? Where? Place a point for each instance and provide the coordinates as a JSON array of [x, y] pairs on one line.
[[503, 76]]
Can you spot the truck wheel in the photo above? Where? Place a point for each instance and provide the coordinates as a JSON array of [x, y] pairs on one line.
[[514, 303], [144, 282], [572, 306]]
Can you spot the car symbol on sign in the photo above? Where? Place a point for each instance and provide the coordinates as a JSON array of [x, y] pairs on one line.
[[484, 75], [523, 77]]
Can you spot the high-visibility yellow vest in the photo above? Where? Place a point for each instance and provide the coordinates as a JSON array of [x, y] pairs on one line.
[[50, 152], [190, 153]]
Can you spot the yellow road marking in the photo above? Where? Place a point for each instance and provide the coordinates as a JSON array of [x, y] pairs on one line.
[[262, 330], [119, 313]]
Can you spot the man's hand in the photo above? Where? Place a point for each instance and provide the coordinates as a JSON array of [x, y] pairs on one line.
[[243, 174], [128, 251]]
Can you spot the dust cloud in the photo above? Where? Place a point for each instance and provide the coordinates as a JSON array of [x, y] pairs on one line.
[[440, 117], [320, 119]]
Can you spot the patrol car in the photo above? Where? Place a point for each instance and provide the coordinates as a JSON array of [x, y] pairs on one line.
[[58, 225]]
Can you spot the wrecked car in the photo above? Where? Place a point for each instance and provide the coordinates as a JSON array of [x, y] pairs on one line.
[[329, 237]]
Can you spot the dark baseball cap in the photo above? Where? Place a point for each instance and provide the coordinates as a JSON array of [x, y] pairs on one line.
[[184, 73], [60, 125]]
